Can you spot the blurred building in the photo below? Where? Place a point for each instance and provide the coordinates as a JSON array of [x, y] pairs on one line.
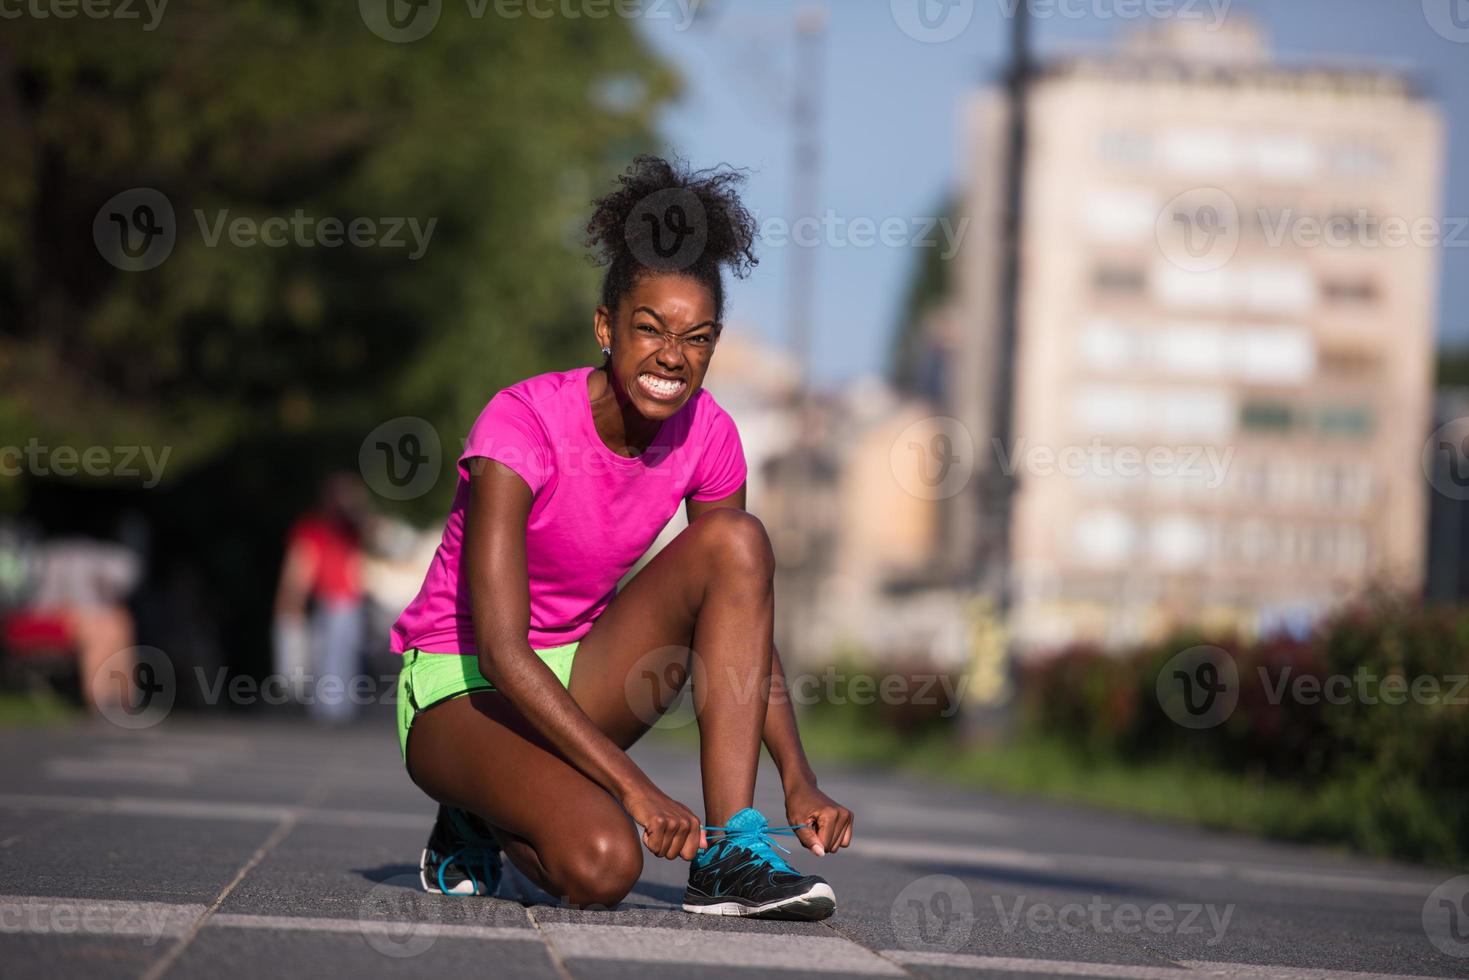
[[855, 545], [1222, 364]]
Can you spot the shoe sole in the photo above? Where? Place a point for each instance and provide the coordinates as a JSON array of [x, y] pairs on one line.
[[431, 885], [818, 903]]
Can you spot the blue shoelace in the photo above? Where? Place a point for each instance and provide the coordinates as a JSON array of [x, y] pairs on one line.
[[759, 840], [486, 865], [477, 848]]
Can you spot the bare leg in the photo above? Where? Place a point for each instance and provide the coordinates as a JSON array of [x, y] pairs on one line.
[[710, 589]]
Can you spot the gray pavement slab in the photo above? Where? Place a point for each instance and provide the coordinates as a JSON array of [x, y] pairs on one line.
[[271, 847]]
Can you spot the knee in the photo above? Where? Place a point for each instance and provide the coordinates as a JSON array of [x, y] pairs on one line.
[[737, 542], [601, 866]]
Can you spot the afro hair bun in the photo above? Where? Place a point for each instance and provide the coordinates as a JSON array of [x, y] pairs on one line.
[[664, 218]]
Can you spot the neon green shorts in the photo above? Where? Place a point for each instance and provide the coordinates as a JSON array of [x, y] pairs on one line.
[[428, 679]]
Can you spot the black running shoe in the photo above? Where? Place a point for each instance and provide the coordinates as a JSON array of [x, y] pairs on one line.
[[462, 856], [740, 874]]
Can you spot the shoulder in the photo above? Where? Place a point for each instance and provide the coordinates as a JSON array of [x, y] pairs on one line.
[[545, 389], [706, 414]]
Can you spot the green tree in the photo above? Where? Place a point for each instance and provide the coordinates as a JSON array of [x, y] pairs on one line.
[[261, 368], [496, 129]]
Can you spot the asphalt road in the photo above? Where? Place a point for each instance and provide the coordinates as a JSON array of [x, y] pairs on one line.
[[247, 848]]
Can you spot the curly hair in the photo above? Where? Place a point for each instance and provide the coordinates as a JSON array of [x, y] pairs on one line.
[[665, 218]]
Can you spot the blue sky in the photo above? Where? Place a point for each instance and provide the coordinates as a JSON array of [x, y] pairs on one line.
[[890, 130]]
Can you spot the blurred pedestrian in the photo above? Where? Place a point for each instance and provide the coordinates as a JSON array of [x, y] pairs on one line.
[[84, 584], [319, 601]]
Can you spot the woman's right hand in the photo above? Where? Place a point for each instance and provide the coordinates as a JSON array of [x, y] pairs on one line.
[[670, 829]]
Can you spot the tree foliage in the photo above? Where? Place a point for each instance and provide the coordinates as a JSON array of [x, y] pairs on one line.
[[498, 129]]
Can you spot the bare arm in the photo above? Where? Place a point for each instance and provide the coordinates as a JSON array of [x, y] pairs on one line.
[[499, 590], [494, 550], [295, 582]]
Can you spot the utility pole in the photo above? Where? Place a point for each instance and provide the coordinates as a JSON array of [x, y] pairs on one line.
[[805, 196], [997, 503]]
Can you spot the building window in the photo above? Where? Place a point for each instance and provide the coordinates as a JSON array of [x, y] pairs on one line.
[[1118, 279], [1357, 292], [1267, 416], [1128, 149], [1345, 420]]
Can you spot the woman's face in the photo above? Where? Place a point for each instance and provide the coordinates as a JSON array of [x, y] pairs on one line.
[[662, 336]]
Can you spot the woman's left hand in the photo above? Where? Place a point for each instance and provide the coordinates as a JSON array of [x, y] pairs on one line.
[[828, 823]]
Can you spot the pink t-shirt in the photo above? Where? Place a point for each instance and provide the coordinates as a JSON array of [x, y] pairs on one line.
[[593, 515]]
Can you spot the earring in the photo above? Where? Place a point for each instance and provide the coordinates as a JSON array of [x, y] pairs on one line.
[[606, 351]]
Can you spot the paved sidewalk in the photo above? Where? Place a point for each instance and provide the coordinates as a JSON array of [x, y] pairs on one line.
[[243, 848]]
